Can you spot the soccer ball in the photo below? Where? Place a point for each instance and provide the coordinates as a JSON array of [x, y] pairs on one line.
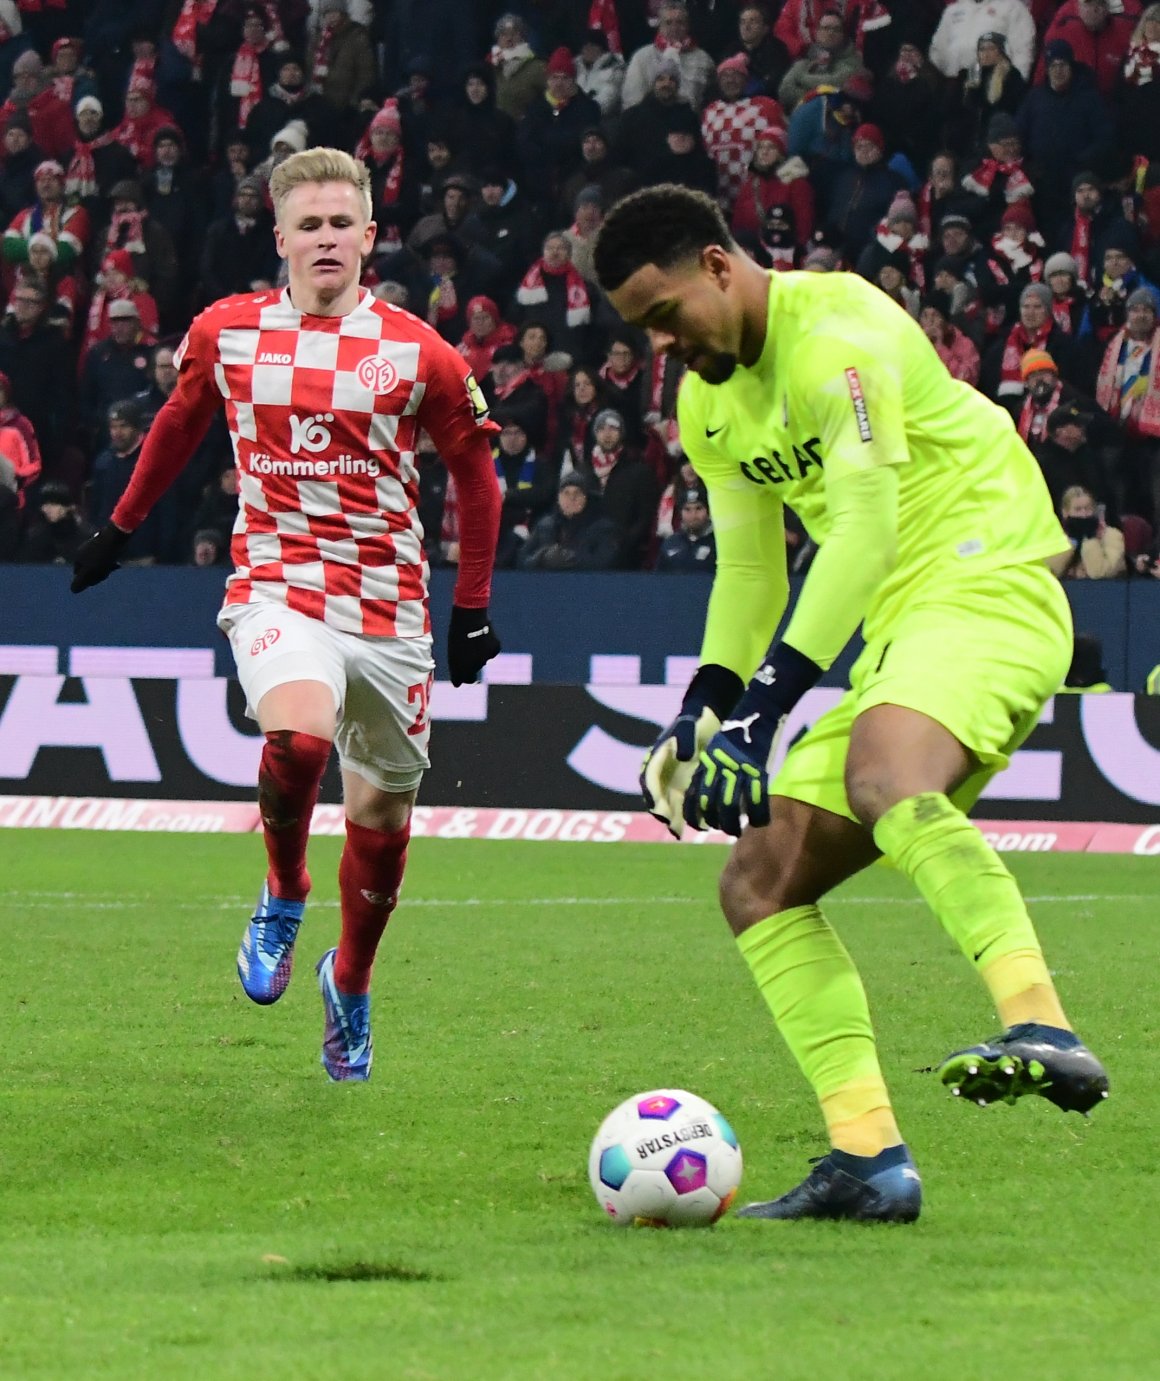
[[665, 1159]]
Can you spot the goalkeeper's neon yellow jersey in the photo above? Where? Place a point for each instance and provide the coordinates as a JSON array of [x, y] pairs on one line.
[[847, 381]]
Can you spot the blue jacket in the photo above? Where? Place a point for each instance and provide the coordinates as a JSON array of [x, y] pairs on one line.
[[1062, 130]]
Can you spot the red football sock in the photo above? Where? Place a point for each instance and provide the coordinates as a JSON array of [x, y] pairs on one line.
[[288, 780], [369, 876]]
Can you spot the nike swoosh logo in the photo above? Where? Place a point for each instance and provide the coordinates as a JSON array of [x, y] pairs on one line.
[[712, 431]]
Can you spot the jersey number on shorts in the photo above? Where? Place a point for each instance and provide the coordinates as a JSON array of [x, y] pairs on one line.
[[421, 693]]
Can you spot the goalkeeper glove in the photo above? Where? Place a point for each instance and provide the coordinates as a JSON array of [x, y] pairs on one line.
[[670, 762], [471, 644], [96, 559], [733, 770]]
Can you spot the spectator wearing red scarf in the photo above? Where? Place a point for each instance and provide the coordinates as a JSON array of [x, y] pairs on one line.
[[117, 282], [672, 39], [1140, 93], [1001, 377], [554, 293], [486, 332], [143, 118], [395, 184]]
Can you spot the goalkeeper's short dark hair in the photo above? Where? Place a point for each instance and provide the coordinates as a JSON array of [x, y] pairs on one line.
[[662, 225]]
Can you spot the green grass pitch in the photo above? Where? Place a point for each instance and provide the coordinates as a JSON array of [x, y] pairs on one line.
[[183, 1195]]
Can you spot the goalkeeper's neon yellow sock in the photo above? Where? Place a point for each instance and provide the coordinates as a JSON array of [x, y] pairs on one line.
[[818, 1002], [965, 884]]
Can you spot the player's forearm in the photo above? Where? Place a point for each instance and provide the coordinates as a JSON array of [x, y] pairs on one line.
[[478, 510], [751, 584], [176, 433], [859, 553], [745, 607]]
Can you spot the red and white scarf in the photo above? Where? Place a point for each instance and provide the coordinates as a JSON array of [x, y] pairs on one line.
[[1143, 64], [617, 380], [320, 63], [1130, 394], [662, 45], [604, 462], [982, 178], [246, 79], [127, 231], [1033, 416], [80, 179], [533, 291], [915, 250], [1018, 344], [602, 15], [143, 70], [1081, 245], [389, 237], [1061, 313], [194, 13], [1019, 257]]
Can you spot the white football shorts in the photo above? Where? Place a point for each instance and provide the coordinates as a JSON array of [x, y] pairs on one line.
[[381, 686]]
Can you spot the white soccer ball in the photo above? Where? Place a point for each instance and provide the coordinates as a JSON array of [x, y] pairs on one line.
[[665, 1158]]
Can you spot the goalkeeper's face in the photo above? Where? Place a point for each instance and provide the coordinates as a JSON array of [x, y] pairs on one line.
[[691, 311]]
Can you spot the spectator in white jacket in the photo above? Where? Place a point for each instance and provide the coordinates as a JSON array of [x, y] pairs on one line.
[[954, 46], [697, 67], [600, 73]]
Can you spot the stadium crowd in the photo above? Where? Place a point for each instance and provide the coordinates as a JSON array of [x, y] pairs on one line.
[[992, 165]]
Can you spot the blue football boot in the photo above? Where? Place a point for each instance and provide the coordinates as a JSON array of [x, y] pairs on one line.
[[1029, 1058], [266, 956], [866, 1189], [347, 1049]]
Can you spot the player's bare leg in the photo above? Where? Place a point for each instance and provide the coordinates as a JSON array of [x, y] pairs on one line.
[[770, 891], [378, 828], [298, 721], [900, 768]]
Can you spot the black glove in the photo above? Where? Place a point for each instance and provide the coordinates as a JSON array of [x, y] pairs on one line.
[[96, 559], [1080, 528], [732, 776], [471, 644]]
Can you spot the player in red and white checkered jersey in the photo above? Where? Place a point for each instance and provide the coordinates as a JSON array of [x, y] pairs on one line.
[[325, 391]]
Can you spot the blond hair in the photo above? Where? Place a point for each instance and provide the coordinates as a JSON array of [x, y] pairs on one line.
[[1152, 12], [320, 165], [1072, 494]]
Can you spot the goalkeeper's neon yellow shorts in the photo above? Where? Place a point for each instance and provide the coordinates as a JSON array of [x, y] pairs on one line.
[[982, 658]]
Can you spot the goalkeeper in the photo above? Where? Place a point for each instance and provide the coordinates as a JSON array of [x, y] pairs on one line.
[[933, 524]]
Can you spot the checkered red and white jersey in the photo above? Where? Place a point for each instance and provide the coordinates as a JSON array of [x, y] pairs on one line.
[[323, 414], [729, 129]]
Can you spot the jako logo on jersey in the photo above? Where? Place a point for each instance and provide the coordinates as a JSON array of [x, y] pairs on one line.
[[859, 400], [269, 357], [311, 434], [268, 639], [376, 374]]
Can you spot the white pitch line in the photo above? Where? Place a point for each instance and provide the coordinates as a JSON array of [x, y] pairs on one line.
[[109, 902]]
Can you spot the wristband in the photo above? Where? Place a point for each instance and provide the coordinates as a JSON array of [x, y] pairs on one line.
[[781, 680], [713, 688]]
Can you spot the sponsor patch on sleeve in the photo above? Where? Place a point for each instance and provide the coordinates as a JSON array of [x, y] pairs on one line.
[[180, 353], [477, 400], [858, 398]]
